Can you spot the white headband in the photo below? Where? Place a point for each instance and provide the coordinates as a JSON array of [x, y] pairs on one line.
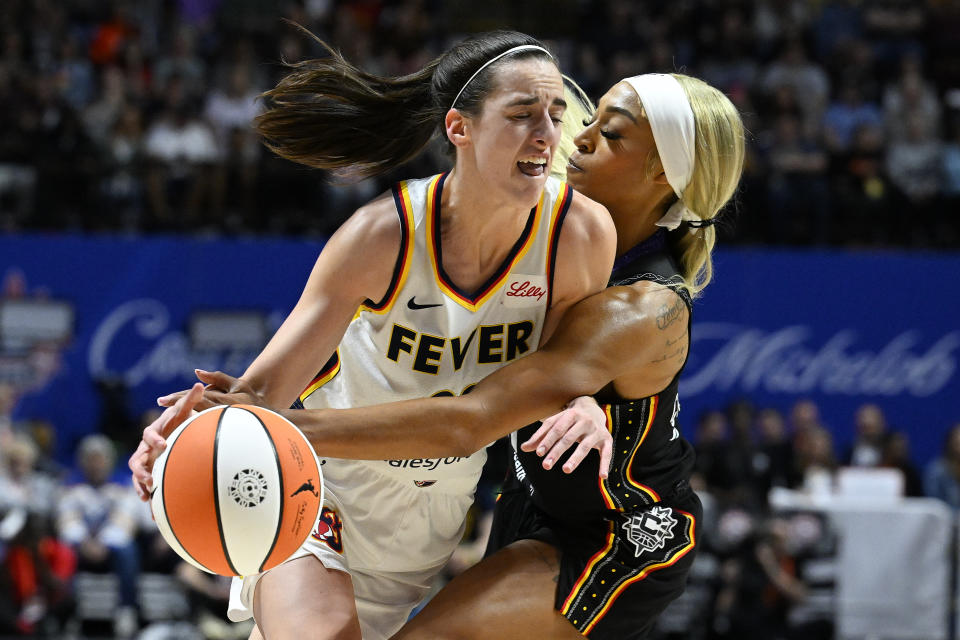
[[674, 132], [489, 62]]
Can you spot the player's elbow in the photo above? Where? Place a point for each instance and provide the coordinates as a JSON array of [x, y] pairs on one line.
[[466, 428], [464, 440]]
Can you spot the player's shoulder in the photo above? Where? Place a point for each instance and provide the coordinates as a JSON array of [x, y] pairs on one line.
[[375, 224], [589, 220], [645, 304]]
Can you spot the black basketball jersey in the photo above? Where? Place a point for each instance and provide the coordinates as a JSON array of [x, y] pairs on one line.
[[651, 461]]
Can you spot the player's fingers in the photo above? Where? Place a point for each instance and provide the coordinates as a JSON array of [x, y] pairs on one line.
[[153, 439], [578, 455], [216, 379], [139, 489], [532, 442], [141, 448], [563, 423], [141, 477], [186, 403], [606, 454], [170, 399], [564, 442], [174, 415]]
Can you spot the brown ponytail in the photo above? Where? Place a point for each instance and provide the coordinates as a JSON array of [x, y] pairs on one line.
[[329, 114]]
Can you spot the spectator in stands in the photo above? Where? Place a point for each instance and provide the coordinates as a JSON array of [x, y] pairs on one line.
[[864, 196], [74, 74], [712, 447], [101, 115], [896, 455], [870, 426], [181, 150], [846, 115], [35, 573], [804, 415], [911, 95], [181, 64], [230, 111], [98, 518], [44, 436], [66, 161], [21, 486], [122, 188], [773, 461], [942, 476], [913, 165], [815, 461], [949, 230], [758, 578], [110, 36], [809, 81], [18, 172], [8, 399], [798, 189]]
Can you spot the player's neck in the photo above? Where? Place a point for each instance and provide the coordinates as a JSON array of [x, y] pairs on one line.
[[477, 229], [636, 221], [473, 210]]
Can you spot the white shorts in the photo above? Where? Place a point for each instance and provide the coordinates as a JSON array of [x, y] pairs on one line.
[[392, 536]]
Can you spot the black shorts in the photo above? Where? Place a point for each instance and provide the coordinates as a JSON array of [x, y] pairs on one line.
[[616, 574]]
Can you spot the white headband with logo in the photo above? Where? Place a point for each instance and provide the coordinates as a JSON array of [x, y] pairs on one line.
[[674, 132], [489, 62]]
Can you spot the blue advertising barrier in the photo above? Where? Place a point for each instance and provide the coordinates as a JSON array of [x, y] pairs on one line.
[[775, 326]]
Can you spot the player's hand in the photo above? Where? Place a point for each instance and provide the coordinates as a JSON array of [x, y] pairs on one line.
[[583, 422], [219, 389], [154, 439]]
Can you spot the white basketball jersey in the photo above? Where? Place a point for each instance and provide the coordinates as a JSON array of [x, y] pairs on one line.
[[429, 337]]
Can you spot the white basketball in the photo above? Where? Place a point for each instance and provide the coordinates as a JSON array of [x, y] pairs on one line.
[[237, 490]]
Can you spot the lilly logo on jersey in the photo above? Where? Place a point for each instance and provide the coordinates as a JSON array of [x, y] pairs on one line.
[[525, 291]]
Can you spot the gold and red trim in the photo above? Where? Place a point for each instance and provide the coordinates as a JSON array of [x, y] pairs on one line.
[[604, 492], [651, 414], [585, 575], [556, 223], [627, 472], [401, 197], [331, 369], [475, 300], [672, 560]]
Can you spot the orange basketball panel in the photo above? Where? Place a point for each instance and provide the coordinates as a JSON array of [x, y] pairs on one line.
[[190, 493], [301, 481]]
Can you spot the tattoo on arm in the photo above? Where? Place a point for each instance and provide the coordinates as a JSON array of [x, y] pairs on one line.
[[670, 342], [678, 353], [666, 316]]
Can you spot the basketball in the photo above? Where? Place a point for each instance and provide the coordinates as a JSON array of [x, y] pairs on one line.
[[237, 490]]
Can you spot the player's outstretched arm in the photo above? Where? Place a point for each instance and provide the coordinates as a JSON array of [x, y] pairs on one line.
[[357, 263], [622, 331]]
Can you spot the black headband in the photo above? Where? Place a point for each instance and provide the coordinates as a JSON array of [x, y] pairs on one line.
[[697, 224]]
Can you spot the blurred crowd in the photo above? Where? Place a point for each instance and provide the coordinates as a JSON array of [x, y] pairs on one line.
[[61, 525], [134, 115]]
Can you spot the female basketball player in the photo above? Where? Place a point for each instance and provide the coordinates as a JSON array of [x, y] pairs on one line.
[[662, 153], [422, 292]]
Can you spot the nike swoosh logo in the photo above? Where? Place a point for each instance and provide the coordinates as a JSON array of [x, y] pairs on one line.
[[411, 304]]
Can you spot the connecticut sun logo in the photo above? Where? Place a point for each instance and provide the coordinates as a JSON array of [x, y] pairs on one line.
[[648, 531]]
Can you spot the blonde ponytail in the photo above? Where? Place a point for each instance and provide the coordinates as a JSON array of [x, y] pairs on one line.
[[718, 164]]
